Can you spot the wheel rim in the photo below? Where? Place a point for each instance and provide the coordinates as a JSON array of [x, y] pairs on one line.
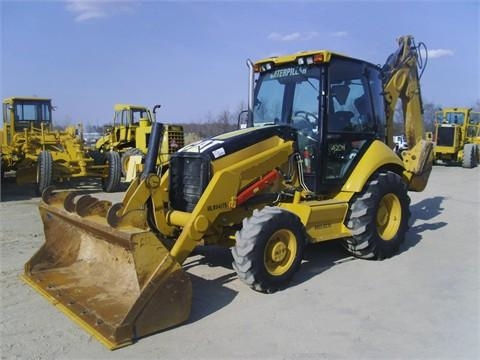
[[280, 252], [389, 215], [125, 162]]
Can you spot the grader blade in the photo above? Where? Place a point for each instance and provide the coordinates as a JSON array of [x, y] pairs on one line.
[[119, 284]]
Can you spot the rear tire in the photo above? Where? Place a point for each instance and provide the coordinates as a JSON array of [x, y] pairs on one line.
[[44, 171], [378, 218], [111, 182], [469, 156], [269, 249], [126, 157]]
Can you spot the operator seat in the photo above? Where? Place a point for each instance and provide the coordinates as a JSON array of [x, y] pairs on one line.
[[340, 121], [364, 118]]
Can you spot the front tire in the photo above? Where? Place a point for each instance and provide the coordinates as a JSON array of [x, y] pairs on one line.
[[269, 249], [111, 182], [378, 218], [469, 156], [44, 171]]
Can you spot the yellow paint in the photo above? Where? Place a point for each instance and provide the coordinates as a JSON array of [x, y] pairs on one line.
[[280, 251], [389, 216]]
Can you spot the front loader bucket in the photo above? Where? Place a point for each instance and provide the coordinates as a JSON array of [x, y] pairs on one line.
[[118, 285]]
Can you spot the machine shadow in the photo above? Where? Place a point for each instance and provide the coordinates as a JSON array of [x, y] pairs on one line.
[[210, 295], [320, 257], [421, 213]]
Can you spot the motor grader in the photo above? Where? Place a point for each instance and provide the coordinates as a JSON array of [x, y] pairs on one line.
[[41, 155], [129, 134], [315, 163], [457, 135]]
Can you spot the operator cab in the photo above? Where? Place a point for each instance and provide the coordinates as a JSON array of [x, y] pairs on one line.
[[27, 113], [336, 106], [126, 115], [126, 119]]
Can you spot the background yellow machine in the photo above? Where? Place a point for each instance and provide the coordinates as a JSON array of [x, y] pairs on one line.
[[40, 155], [314, 164], [457, 136], [129, 134]]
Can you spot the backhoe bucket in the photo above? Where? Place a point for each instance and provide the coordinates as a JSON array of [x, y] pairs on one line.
[[118, 284]]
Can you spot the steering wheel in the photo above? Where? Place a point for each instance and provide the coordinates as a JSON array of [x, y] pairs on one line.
[[307, 122]]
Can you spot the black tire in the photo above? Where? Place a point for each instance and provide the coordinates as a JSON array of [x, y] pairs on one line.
[[126, 156], [111, 182], [268, 233], [44, 171], [97, 156], [378, 218], [2, 171], [469, 156]]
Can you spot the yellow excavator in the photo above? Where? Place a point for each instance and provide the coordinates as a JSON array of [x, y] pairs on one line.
[[314, 163]]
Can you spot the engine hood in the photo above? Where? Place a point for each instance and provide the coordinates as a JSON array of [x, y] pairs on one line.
[[228, 143]]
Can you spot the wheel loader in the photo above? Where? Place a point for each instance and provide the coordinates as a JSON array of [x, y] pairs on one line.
[[40, 155], [457, 135], [129, 134], [315, 163]]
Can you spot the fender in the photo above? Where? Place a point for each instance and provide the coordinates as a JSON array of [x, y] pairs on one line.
[[378, 155]]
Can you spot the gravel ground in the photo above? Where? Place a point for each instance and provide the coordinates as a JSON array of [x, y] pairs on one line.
[[422, 303]]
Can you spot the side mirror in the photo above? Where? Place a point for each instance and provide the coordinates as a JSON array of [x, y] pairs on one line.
[[242, 121]]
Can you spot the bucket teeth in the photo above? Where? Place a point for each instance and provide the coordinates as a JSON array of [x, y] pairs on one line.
[[136, 218], [47, 194], [68, 202], [58, 197], [89, 205], [112, 215]]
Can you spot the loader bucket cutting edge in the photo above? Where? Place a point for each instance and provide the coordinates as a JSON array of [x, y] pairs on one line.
[[105, 341], [119, 285]]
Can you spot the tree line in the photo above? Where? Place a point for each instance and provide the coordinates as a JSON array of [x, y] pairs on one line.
[[212, 124]]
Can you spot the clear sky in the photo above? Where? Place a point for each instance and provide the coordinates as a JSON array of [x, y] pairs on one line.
[[190, 56]]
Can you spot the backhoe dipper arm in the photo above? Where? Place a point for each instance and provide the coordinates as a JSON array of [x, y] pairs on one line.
[[401, 81]]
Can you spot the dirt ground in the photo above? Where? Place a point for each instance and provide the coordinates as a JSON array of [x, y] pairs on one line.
[[422, 303]]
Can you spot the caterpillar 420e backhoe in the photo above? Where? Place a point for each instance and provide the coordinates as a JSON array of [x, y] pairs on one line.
[[315, 163]]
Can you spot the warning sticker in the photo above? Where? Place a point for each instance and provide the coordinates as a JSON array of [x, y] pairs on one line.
[[218, 153]]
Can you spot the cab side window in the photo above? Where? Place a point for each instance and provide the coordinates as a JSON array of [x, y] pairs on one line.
[[349, 107]]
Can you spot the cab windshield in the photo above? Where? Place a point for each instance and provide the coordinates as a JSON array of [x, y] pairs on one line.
[[131, 116], [31, 113], [457, 118], [288, 95]]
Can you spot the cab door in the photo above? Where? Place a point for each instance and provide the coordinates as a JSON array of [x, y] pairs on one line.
[[355, 116]]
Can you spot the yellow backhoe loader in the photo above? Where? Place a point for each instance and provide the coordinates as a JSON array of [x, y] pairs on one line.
[[40, 155], [457, 136], [129, 134], [314, 164]]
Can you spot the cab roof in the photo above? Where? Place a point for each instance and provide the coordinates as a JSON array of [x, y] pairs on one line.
[[324, 55], [13, 99], [456, 109], [120, 107]]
